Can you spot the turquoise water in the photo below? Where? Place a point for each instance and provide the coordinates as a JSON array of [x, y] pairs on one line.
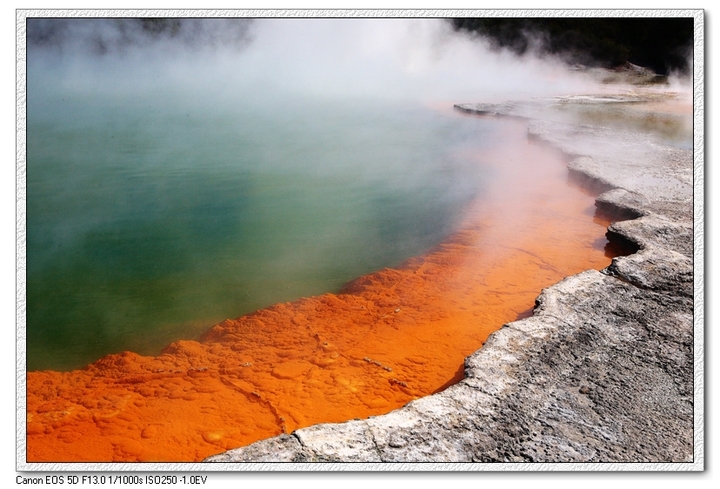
[[154, 214]]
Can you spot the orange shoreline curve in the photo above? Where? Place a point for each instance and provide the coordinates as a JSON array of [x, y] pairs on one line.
[[387, 338]]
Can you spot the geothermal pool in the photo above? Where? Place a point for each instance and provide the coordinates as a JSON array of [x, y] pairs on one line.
[[382, 340], [220, 250], [173, 182], [150, 220]]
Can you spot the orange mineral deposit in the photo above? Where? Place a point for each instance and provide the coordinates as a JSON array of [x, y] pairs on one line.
[[385, 339]]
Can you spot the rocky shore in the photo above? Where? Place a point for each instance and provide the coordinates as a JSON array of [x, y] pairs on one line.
[[604, 369]]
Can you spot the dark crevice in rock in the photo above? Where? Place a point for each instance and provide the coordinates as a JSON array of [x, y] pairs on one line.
[[613, 212], [622, 245]]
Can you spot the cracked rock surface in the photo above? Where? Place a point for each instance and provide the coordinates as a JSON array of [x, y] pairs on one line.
[[603, 370]]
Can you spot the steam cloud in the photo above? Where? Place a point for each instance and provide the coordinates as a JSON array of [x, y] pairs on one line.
[[419, 59]]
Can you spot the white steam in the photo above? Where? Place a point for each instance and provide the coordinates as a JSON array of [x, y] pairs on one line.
[[399, 59]]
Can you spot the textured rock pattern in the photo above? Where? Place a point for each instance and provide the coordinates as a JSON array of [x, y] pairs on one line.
[[603, 370]]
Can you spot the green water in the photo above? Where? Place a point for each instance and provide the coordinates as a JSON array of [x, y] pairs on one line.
[[151, 216]]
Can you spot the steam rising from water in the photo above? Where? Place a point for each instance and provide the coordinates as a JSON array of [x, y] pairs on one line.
[[255, 161], [409, 59]]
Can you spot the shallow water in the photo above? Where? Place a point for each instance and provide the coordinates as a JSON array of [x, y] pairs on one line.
[[152, 216]]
